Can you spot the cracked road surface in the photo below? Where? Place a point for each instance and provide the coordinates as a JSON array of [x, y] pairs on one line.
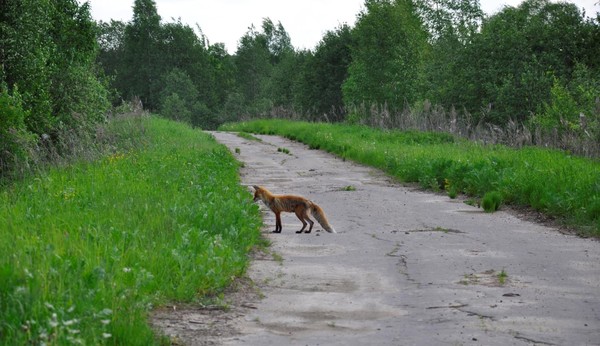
[[407, 267]]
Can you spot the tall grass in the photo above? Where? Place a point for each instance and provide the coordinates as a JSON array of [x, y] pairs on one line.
[[581, 139], [551, 181], [88, 249], [85, 142]]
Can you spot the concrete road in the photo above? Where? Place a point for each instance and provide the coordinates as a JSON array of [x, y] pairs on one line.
[[407, 267]]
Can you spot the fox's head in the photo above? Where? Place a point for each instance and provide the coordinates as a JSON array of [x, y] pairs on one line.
[[259, 193]]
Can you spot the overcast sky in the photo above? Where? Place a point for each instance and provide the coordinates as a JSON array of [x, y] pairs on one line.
[[305, 21]]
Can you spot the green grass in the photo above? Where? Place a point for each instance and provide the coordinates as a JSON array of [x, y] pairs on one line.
[[283, 150], [554, 182], [88, 250], [491, 201], [248, 136], [502, 276]]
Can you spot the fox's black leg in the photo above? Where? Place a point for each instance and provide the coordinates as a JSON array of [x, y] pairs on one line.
[[277, 223], [303, 226], [301, 218], [311, 225]]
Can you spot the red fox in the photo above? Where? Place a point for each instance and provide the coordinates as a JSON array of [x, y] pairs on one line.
[[302, 207]]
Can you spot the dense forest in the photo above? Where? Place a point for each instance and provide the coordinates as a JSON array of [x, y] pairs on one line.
[[525, 75]]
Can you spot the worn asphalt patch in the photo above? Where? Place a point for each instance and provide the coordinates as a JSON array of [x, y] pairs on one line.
[[406, 267]]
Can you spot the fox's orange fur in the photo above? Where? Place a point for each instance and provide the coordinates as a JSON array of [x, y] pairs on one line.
[[302, 207]]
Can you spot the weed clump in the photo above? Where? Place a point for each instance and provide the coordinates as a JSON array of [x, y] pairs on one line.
[[491, 201]]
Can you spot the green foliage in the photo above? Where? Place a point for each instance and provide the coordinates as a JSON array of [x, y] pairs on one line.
[[222, 76], [319, 88], [182, 49], [246, 135], [48, 76], [537, 61], [348, 188], [86, 251], [76, 89], [234, 107], [265, 68], [15, 140], [283, 150], [13, 114], [253, 66], [281, 84], [142, 66], [178, 96], [25, 56], [168, 66], [519, 51], [456, 19], [491, 201], [175, 108], [551, 181], [502, 277], [110, 42], [385, 67], [574, 108], [561, 109]]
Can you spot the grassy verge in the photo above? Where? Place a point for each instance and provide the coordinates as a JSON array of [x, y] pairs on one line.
[[87, 250], [558, 184]]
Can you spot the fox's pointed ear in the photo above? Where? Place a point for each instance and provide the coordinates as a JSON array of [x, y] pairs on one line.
[[256, 187]]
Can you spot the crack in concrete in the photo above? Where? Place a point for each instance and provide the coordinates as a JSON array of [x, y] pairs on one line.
[[534, 341]]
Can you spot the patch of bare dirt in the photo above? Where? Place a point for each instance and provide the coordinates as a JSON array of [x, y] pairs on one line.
[[207, 324]]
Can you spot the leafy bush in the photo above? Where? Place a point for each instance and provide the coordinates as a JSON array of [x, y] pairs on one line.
[[178, 96], [203, 117], [562, 111], [175, 108], [50, 87], [179, 101], [15, 141]]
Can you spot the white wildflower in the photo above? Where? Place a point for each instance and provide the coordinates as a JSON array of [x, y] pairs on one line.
[[28, 273], [71, 322], [75, 341]]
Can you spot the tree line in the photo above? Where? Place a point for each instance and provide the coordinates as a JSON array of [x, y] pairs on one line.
[[536, 65]]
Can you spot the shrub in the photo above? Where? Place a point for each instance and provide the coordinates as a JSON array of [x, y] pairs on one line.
[[15, 140], [178, 97], [173, 107]]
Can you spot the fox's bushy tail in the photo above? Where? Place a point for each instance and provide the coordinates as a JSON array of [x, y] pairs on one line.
[[319, 215]]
